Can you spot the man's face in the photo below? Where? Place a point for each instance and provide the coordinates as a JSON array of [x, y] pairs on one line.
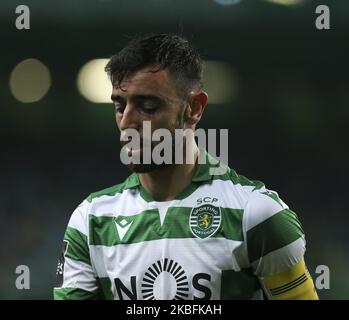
[[147, 96]]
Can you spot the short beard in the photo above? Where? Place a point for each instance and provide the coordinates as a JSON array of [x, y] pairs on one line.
[[150, 167]]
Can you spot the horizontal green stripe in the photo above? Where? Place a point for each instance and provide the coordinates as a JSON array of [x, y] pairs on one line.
[[77, 245], [146, 226], [274, 233], [73, 294], [231, 175]]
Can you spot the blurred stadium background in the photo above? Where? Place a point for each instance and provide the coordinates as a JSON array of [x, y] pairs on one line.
[[277, 83]]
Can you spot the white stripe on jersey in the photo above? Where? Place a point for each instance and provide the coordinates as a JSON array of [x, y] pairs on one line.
[[78, 274]]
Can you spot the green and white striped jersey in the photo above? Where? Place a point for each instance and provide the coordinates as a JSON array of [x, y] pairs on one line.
[[216, 240]]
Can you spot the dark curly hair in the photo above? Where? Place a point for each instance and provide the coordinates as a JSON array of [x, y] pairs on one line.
[[166, 51]]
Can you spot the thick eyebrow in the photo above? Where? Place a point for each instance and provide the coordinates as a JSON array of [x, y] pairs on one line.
[[137, 98], [117, 98]]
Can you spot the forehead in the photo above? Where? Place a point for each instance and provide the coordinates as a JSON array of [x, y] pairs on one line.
[[146, 81]]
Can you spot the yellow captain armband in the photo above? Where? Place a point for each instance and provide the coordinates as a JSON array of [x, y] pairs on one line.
[[292, 284]]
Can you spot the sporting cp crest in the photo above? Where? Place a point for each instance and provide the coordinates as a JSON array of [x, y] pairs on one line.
[[205, 220]]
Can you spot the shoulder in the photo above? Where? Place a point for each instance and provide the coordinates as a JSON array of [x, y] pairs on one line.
[[130, 182], [273, 233], [79, 217], [260, 203], [237, 188], [263, 204]]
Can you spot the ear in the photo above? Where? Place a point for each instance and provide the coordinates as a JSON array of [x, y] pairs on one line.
[[196, 104]]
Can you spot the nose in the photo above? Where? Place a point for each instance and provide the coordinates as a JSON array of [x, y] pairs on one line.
[[129, 118]]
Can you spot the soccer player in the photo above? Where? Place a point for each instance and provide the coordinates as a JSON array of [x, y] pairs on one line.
[[171, 230]]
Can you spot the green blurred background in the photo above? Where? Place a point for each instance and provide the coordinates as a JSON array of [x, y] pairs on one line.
[[277, 83]]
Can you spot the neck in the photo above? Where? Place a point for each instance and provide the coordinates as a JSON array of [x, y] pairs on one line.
[[169, 181]]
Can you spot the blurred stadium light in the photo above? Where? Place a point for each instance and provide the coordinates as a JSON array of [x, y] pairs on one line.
[[93, 82], [30, 80], [220, 82]]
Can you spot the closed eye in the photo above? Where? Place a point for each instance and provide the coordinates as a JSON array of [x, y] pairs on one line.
[[147, 104], [148, 110], [119, 108]]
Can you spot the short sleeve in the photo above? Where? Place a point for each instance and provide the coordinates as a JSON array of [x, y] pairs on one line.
[[76, 277], [273, 234]]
